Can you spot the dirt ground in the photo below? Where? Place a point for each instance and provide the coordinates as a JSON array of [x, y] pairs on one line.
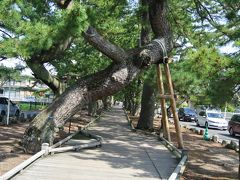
[[206, 160], [12, 154]]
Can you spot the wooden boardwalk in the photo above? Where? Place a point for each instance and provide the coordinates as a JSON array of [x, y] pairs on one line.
[[123, 155]]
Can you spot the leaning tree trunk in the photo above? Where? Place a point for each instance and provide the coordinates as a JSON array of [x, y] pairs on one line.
[[147, 104], [90, 88], [147, 107]]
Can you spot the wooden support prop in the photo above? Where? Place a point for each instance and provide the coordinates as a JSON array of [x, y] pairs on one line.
[[173, 106], [163, 103], [162, 96]]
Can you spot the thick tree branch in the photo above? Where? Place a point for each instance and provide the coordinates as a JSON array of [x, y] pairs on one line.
[[112, 51], [41, 73], [146, 29], [5, 33], [200, 7], [90, 88], [152, 53], [159, 23]]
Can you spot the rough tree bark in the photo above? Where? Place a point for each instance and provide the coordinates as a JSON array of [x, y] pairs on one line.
[[147, 104], [125, 67], [147, 107], [107, 102], [91, 88]]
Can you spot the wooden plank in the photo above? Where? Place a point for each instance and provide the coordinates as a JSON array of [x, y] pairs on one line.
[[77, 147], [162, 96], [163, 103], [173, 107]]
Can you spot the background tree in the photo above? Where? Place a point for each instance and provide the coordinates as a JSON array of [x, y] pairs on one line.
[[7, 74], [203, 74]]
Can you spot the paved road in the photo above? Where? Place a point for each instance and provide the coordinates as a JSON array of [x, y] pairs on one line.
[[222, 134]]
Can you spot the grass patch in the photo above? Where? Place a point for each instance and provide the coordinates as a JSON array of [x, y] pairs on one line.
[[31, 106]]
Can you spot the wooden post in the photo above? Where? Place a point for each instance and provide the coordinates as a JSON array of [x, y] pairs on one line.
[[45, 147], [69, 126], [163, 103], [173, 106]]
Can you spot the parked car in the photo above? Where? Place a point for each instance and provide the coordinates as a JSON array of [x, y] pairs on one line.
[[14, 109], [234, 125], [187, 114], [212, 119]]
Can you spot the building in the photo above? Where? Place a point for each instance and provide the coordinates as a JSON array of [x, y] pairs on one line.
[[25, 90]]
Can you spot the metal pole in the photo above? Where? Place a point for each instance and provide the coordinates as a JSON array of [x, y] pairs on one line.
[[8, 109], [225, 111], [163, 103], [173, 106]]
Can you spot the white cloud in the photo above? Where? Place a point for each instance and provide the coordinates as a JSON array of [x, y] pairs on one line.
[[12, 62]]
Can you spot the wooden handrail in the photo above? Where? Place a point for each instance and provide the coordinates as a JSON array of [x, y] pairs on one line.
[[77, 147], [21, 166], [53, 148]]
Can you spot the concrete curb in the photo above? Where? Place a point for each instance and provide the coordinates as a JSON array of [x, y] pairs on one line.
[[179, 169], [171, 147]]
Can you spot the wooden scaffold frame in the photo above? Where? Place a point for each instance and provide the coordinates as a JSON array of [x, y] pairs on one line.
[[170, 96]]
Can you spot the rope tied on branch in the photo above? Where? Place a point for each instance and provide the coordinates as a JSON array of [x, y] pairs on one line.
[[164, 50]]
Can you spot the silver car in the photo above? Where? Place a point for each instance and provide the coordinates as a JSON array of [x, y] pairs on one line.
[[212, 119], [14, 109]]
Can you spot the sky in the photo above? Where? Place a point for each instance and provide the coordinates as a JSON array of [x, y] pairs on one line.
[[12, 62]]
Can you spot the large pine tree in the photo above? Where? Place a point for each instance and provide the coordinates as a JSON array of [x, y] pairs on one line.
[[77, 36]]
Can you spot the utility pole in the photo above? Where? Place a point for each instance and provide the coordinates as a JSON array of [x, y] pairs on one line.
[[8, 108]]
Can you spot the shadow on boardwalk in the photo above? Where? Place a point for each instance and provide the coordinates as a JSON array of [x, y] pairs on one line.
[[123, 155]]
